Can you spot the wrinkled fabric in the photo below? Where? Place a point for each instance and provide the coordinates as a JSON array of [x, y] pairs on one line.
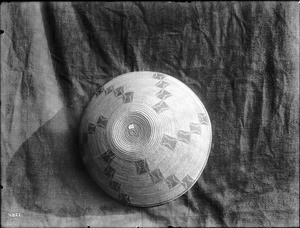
[[240, 58]]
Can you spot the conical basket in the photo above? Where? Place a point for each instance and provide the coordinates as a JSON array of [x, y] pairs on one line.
[[145, 138]]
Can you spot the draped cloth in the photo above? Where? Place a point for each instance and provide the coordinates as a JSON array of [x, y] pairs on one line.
[[240, 58]]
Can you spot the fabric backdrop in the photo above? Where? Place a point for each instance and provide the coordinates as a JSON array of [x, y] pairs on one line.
[[240, 58]]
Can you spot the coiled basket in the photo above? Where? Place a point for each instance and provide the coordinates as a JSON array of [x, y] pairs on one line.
[[145, 138]]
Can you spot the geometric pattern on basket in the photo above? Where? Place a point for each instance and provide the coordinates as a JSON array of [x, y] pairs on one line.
[[159, 76], [168, 142], [102, 121], [141, 166], [195, 128], [127, 97], [160, 107], [124, 198], [91, 128], [163, 94], [119, 91], [99, 91], [203, 119], [162, 84], [115, 185], [187, 181], [109, 172], [172, 181], [109, 89], [108, 156], [156, 176], [184, 136]]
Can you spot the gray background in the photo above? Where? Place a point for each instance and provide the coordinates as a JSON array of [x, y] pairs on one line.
[[240, 58]]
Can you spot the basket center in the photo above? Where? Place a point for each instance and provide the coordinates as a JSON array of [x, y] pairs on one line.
[[134, 129]]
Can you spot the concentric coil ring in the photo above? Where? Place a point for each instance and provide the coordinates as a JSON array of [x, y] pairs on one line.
[[131, 134]]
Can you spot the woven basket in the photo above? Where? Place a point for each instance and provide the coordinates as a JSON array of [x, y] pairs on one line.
[[145, 138]]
